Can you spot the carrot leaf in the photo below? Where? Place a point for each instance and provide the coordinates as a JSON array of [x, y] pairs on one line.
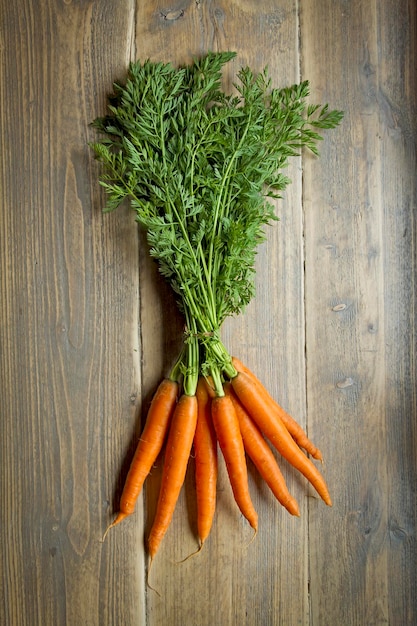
[[200, 167]]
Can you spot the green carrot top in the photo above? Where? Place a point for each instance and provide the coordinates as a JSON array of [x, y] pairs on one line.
[[199, 167]]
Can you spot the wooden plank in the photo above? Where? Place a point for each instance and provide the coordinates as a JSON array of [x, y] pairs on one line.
[[232, 582], [360, 308], [69, 310], [398, 105]]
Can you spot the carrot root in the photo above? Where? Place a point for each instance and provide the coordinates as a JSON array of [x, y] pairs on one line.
[[295, 430], [148, 448], [193, 554], [262, 456], [178, 448], [148, 577], [205, 455], [119, 518], [230, 440], [274, 429]]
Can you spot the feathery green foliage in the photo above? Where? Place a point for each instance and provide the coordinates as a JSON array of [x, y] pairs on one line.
[[199, 167]]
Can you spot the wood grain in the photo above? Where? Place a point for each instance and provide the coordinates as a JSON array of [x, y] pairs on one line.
[[70, 379], [354, 293], [88, 327]]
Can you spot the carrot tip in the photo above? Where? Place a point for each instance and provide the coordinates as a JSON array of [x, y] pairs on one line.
[[190, 556], [148, 578], [120, 516], [255, 532], [293, 508], [325, 497]]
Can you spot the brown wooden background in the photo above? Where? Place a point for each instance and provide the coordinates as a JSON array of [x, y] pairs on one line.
[[88, 328]]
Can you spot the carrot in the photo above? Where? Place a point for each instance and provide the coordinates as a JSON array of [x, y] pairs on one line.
[[292, 426], [209, 385], [149, 446], [205, 451], [178, 448], [262, 456], [274, 429], [230, 440]]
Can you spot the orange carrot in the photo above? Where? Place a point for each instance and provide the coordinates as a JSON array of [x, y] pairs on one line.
[[262, 455], [230, 440], [178, 448], [292, 426], [205, 451], [209, 384], [149, 446], [274, 429]]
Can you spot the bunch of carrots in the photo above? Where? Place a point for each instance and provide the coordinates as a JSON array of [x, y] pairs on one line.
[[198, 167], [238, 421]]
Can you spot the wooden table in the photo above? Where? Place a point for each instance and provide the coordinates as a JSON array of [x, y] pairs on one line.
[[88, 328]]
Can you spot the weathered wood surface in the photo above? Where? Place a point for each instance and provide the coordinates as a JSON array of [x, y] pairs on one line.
[[87, 327]]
